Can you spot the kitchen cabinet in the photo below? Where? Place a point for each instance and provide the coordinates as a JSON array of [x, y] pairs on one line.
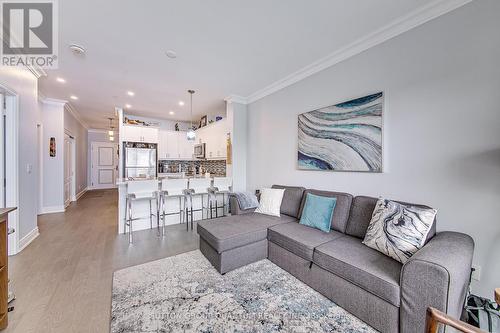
[[174, 145], [132, 133], [214, 136]]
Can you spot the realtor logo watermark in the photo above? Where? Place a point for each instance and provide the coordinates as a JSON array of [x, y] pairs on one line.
[[29, 33]]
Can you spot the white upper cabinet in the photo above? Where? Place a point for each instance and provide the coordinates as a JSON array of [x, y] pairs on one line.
[[214, 136], [174, 146], [133, 133]]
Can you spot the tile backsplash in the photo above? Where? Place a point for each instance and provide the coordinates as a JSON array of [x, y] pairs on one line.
[[214, 167]]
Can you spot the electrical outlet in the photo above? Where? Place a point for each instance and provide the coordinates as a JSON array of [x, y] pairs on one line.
[[476, 274]]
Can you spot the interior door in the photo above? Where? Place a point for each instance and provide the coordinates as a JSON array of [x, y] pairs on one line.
[[104, 165], [67, 169]]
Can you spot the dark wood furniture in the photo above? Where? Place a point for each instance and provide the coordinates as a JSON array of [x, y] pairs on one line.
[[436, 317], [4, 274]]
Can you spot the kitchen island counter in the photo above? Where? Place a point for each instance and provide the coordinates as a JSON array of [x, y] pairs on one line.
[[140, 209]]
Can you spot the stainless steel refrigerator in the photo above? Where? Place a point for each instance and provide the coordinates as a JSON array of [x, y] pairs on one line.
[[139, 159]]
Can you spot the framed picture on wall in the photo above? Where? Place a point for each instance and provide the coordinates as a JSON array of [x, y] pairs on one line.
[[203, 121], [52, 147], [343, 137]]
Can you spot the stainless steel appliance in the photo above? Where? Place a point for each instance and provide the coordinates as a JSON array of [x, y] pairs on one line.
[[199, 150], [139, 159]]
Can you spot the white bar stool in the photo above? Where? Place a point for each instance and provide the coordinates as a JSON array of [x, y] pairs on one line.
[[221, 185], [197, 187], [140, 190], [172, 188]]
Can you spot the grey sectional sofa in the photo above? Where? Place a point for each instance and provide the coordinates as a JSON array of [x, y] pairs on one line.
[[387, 295]]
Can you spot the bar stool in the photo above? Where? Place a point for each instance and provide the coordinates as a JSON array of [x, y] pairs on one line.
[[172, 188], [198, 187], [221, 185], [140, 190]]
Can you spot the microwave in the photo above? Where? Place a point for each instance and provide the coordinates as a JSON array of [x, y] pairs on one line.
[[199, 150]]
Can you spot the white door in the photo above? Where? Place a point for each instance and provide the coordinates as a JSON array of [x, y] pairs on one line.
[[104, 165], [68, 152]]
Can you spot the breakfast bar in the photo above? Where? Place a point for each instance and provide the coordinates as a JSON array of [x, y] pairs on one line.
[[173, 205]]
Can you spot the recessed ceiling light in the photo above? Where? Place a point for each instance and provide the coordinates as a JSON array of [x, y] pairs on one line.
[[171, 113], [171, 54], [128, 106], [181, 103], [60, 79], [73, 97], [130, 93]]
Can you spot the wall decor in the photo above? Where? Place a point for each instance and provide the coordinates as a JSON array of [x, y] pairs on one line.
[[203, 121], [342, 137], [52, 147]]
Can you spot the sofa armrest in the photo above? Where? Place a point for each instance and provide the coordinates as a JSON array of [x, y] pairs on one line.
[[438, 276], [235, 207]]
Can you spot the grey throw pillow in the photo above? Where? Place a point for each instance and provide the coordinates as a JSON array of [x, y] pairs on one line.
[[397, 230]]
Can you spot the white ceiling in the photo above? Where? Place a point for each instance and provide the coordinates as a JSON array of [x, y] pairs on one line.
[[224, 47]]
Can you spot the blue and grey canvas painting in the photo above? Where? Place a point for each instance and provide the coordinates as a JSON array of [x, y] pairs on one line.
[[343, 137]]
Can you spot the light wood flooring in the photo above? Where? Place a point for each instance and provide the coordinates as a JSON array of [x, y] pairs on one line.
[[63, 279]]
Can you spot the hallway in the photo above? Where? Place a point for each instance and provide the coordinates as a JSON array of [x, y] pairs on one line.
[[62, 280]]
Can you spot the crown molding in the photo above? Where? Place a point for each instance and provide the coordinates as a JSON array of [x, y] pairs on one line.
[[393, 29], [77, 116], [52, 101], [236, 99]]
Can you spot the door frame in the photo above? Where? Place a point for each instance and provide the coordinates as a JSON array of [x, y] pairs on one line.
[[41, 150], [116, 146], [72, 167], [12, 164]]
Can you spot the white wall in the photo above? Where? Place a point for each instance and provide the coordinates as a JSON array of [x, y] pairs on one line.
[[25, 85], [441, 126], [53, 167], [79, 132]]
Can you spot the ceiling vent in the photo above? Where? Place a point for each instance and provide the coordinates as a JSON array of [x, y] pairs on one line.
[[77, 49]]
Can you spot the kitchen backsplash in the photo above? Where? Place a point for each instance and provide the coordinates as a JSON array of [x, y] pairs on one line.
[[214, 167]]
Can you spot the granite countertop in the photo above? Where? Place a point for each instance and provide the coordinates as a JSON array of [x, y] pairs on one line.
[[124, 181]]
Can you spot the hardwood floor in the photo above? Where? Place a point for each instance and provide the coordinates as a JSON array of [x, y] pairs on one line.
[[63, 279]]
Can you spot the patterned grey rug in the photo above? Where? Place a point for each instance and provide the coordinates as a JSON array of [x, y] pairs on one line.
[[185, 293]]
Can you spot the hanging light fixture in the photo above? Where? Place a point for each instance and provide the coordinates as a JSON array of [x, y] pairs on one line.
[[191, 135], [111, 132]]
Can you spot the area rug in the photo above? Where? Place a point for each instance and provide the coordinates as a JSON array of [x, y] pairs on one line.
[[185, 293]]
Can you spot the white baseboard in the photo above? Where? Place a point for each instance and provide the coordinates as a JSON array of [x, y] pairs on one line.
[[82, 192], [26, 240], [52, 209]]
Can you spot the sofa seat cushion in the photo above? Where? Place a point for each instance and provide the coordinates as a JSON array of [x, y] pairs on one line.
[[300, 239], [365, 267], [230, 232]]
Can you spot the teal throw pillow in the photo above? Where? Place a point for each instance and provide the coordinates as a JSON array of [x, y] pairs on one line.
[[318, 212]]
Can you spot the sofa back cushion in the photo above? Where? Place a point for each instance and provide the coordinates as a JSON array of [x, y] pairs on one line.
[[341, 211], [361, 215], [292, 198]]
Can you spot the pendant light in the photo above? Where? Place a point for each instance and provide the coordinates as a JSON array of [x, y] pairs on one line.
[[111, 132], [191, 135]]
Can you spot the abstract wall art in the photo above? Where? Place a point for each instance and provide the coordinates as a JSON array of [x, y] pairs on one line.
[[343, 137]]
